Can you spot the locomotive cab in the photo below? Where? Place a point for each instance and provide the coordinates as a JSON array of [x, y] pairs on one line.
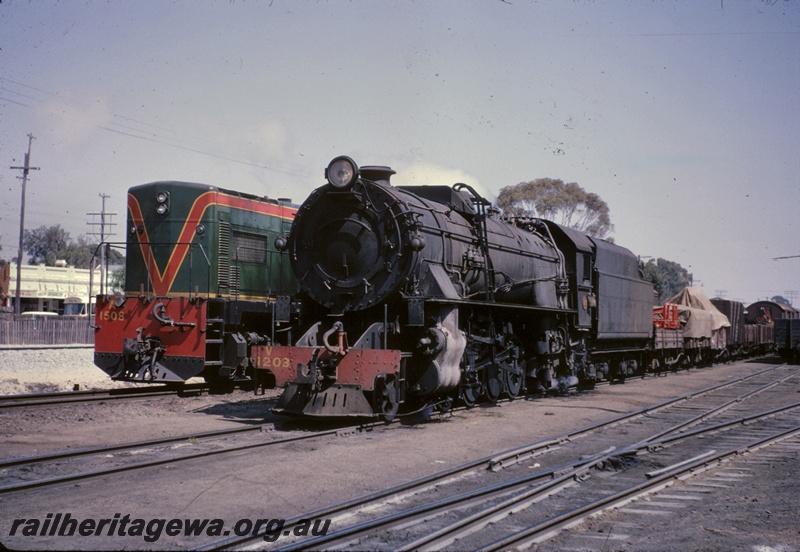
[[578, 251]]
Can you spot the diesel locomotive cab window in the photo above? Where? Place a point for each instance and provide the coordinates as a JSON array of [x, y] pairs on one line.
[[249, 248]]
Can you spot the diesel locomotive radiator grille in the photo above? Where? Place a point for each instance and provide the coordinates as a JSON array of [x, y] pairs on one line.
[[223, 268], [249, 248]]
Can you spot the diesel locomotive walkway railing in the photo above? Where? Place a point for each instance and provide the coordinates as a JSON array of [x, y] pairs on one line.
[[166, 270]]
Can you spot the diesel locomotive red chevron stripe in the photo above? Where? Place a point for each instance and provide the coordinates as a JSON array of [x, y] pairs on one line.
[[162, 280]]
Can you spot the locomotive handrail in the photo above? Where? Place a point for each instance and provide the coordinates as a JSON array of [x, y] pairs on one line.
[[103, 271], [482, 234], [498, 304], [149, 258], [511, 284], [272, 287], [104, 268], [341, 347], [477, 197], [561, 264], [369, 200], [159, 313], [192, 245]]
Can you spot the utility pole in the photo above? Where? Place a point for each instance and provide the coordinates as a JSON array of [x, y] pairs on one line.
[[25, 169], [105, 220]]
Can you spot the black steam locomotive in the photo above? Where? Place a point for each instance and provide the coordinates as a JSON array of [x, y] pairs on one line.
[[422, 295]]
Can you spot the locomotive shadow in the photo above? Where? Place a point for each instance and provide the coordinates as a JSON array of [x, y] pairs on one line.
[[257, 410], [253, 410], [772, 359]]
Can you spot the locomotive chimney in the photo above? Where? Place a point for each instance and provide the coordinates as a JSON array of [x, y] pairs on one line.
[[378, 174]]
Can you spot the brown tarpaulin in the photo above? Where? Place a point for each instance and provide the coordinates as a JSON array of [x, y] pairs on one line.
[[700, 318]]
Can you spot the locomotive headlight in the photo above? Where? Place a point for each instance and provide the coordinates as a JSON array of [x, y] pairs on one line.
[[341, 172], [162, 198]]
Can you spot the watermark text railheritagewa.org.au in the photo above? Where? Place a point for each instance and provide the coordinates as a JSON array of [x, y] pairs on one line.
[[151, 530]]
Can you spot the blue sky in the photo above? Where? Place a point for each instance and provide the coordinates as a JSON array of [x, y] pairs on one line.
[[683, 115]]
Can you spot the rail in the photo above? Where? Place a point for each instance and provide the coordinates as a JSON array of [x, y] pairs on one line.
[[94, 395]]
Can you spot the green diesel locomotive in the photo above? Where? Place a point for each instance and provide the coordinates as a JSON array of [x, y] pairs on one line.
[[204, 282]]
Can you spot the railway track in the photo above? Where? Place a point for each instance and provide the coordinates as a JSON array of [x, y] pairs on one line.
[[74, 397], [530, 493], [581, 495], [28, 481], [35, 472]]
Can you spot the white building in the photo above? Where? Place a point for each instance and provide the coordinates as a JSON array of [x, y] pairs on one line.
[[50, 288]]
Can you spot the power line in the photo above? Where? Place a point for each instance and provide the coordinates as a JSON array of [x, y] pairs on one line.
[[12, 101], [150, 136], [193, 150]]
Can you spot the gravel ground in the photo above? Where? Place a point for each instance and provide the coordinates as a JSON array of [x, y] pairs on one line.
[[759, 516], [50, 370]]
